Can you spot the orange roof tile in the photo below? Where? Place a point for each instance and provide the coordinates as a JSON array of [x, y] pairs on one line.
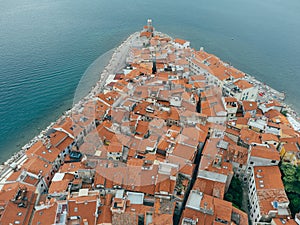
[[45, 216], [184, 151], [146, 34], [12, 212], [269, 137], [219, 71], [37, 166], [71, 167], [180, 41], [270, 175], [243, 84], [115, 147], [249, 105], [58, 186], [85, 207], [249, 136], [265, 152]]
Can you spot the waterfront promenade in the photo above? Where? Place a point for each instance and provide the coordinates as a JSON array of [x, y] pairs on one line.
[[116, 64]]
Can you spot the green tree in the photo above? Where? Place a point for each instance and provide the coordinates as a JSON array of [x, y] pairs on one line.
[[294, 203], [291, 181], [289, 172], [235, 193]]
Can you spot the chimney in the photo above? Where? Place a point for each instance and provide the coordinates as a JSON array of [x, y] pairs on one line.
[[85, 222]]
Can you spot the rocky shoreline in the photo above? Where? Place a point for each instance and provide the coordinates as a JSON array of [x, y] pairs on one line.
[[116, 64]]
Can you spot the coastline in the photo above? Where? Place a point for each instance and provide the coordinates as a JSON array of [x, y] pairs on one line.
[[115, 64]]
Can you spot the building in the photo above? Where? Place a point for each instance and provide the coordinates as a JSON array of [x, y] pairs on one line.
[[267, 196], [202, 209]]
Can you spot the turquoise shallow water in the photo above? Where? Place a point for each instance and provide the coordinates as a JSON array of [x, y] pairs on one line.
[[46, 46]]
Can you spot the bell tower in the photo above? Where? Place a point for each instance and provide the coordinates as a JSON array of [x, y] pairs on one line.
[[149, 25]]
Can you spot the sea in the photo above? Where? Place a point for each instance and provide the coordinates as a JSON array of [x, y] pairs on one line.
[[46, 47]]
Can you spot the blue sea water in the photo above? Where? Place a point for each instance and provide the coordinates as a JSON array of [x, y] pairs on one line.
[[46, 46]]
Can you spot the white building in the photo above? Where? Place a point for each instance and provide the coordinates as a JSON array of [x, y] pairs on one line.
[[181, 44], [231, 107], [267, 196], [241, 89]]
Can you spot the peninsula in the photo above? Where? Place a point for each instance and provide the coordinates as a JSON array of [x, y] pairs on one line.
[[168, 135]]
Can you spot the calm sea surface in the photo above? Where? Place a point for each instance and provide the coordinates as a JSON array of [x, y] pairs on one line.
[[46, 46]]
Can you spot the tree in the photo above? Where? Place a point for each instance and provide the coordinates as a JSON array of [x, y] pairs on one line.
[[291, 181], [235, 193], [294, 203], [289, 171]]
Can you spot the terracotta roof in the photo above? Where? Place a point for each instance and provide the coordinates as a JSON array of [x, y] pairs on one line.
[[164, 184], [146, 34], [39, 149], [58, 186], [201, 55], [210, 187], [236, 154], [265, 152], [180, 41], [291, 147], [85, 207], [184, 151], [270, 175], [71, 167], [235, 73], [219, 209], [37, 166], [249, 105], [115, 147], [45, 216], [65, 143], [105, 215], [249, 136], [230, 99], [281, 221], [273, 103], [269, 187], [243, 84], [269, 137], [276, 117], [66, 125], [12, 212], [232, 131]]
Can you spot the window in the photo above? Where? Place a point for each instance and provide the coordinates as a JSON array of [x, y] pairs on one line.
[[273, 161], [75, 209]]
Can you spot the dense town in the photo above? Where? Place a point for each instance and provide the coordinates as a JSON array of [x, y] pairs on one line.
[[177, 137]]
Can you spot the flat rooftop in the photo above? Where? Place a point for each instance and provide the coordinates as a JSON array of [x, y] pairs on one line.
[[208, 175], [135, 198]]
